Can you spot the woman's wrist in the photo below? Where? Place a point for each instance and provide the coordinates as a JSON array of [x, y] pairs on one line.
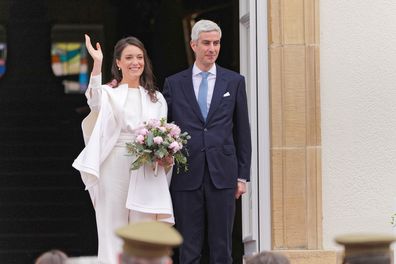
[[97, 68]]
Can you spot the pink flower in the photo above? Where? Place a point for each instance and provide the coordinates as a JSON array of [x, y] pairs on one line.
[[139, 139], [163, 129], [169, 125], [143, 131], [174, 146], [154, 123], [158, 140], [174, 130]]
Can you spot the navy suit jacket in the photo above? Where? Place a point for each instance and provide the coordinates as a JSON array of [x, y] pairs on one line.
[[224, 140]]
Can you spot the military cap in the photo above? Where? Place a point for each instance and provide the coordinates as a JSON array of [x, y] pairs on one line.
[[362, 243], [149, 239]]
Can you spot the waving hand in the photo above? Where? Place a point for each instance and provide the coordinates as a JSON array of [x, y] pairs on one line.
[[96, 55]]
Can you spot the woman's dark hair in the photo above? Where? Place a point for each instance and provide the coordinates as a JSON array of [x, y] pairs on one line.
[[147, 78]]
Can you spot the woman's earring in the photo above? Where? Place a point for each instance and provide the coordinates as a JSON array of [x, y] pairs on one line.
[[119, 68]]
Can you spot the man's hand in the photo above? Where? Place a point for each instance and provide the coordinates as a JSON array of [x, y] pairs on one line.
[[240, 189]]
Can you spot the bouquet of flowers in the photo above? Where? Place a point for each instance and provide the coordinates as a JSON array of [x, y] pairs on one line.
[[159, 143]]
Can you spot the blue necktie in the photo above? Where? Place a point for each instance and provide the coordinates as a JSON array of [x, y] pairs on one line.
[[203, 94]]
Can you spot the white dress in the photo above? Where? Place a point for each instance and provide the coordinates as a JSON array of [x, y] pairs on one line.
[[148, 191], [125, 195]]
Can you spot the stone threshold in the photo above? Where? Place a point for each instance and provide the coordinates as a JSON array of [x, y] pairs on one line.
[[312, 256]]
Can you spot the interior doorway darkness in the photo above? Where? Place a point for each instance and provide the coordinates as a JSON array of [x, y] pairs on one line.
[[43, 204]]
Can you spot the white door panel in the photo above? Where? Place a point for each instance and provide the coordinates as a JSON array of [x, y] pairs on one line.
[[256, 218]]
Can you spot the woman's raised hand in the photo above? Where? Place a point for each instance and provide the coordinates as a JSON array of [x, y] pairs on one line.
[[96, 54]]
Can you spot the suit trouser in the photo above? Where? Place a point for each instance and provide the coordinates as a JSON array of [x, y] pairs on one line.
[[216, 208]]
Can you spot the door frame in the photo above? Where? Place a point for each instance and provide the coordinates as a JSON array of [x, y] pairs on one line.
[[256, 203]]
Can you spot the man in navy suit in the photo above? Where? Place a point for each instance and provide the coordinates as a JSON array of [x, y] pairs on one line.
[[209, 102]]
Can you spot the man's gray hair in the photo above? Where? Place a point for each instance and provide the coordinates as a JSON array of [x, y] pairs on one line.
[[204, 26]]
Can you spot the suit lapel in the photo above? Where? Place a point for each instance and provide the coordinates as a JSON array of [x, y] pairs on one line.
[[188, 90], [218, 92]]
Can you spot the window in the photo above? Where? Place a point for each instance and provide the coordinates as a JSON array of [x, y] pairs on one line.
[[69, 58]]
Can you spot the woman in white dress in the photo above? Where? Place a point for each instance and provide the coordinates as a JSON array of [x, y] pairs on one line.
[[119, 195]]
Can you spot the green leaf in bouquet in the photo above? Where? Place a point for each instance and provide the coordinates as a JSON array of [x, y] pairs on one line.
[[161, 152], [137, 163], [178, 165], [130, 147], [155, 133], [150, 139], [180, 158], [139, 147], [140, 161], [146, 158], [181, 161]]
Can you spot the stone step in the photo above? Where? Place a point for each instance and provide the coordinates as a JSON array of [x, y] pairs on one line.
[[37, 149], [51, 147], [14, 199], [36, 164], [36, 242], [28, 256], [40, 225], [67, 178], [39, 133]]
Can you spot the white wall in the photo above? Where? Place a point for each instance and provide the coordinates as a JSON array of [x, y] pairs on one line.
[[358, 105]]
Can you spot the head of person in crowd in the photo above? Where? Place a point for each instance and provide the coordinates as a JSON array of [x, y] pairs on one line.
[[205, 42], [148, 243], [54, 256], [267, 257], [367, 248], [131, 61]]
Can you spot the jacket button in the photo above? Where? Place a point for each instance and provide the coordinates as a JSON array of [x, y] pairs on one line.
[[205, 129]]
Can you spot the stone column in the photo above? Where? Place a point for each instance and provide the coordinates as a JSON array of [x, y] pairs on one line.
[[295, 124], [296, 178]]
